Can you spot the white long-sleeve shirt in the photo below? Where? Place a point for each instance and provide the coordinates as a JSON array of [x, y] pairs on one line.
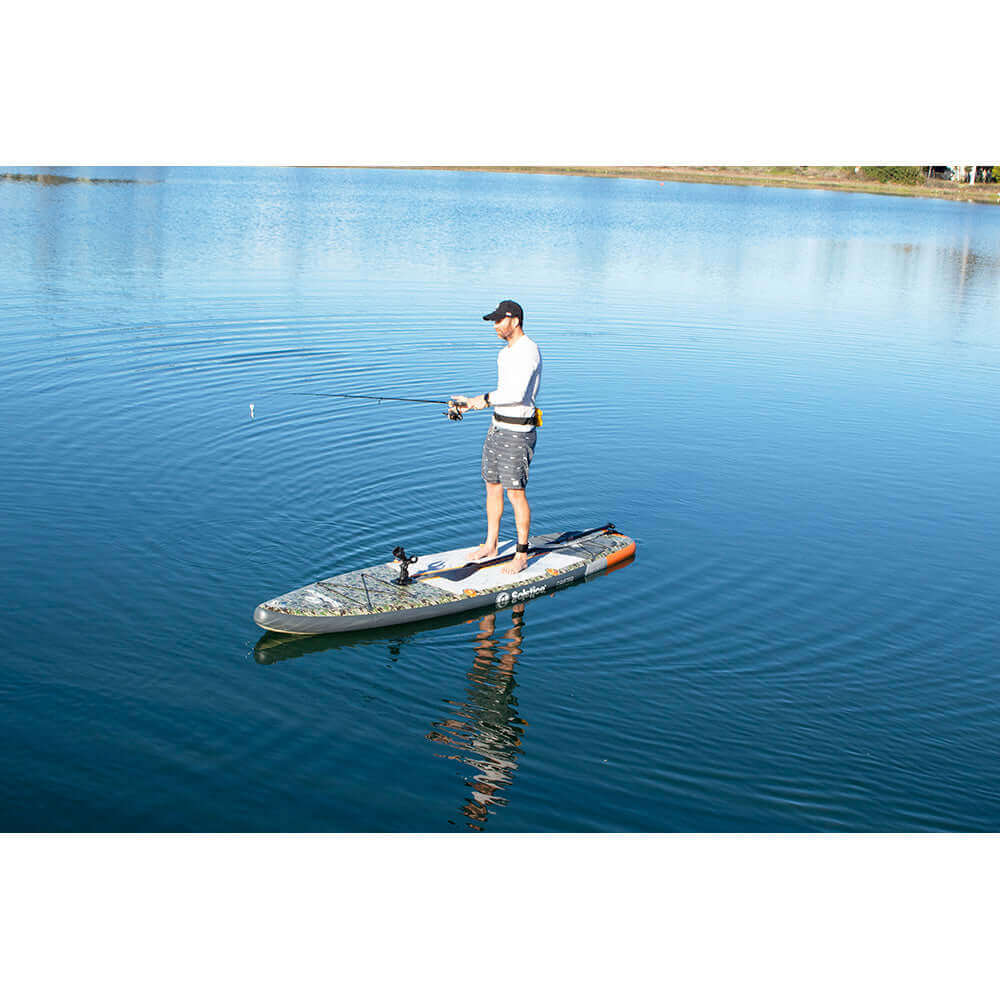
[[519, 375]]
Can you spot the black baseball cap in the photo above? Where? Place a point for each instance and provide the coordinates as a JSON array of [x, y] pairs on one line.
[[505, 309]]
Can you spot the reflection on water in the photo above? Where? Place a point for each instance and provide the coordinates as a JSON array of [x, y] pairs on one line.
[[274, 647], [484, 731], [967, 266]]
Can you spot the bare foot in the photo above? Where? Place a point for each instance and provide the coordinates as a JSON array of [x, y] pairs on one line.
[[483, 552], [519, 562]]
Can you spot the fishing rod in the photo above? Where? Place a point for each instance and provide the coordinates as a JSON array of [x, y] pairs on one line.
[[453, 413]]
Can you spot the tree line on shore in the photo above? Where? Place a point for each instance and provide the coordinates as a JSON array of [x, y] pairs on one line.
[[921, 175]]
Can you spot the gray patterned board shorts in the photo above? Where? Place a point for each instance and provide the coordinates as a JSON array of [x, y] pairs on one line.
[[507, 455]]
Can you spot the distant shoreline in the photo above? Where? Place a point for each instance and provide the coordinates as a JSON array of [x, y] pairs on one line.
[[815, 178], [806, 178]]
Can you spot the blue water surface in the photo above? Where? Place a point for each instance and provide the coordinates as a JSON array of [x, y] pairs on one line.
[[789, 398]]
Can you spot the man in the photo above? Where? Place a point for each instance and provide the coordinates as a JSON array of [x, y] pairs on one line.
[[510, 441]]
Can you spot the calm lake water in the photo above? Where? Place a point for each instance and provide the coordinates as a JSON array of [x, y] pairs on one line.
[[789, 398]]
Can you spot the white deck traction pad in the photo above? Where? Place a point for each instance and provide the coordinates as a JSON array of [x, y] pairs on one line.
[[490, 576]]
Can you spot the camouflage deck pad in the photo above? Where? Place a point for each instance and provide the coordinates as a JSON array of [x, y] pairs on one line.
[[373, 591]]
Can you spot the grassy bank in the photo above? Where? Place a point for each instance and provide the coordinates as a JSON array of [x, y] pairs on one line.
[[824, 178]]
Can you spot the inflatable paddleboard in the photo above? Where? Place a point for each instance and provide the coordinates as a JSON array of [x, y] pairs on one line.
[[410, 589]]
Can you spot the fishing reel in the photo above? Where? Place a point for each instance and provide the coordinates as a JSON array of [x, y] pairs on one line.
[[399, 553], [453, 412]]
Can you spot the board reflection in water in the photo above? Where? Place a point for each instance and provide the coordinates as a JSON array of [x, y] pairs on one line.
[[479, 739], [482, 731], [485, 730]]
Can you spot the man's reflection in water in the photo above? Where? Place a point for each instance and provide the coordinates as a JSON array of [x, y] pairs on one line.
[[486, 730]]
